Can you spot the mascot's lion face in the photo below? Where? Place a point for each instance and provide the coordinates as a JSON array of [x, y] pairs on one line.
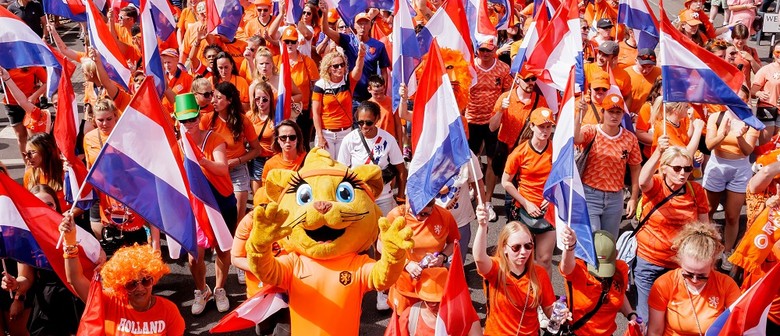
[[332, 208], [458, 71]]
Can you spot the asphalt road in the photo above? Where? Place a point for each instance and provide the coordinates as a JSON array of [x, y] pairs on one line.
[[178, 286]]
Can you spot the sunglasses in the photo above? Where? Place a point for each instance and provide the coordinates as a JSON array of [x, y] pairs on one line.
[[262, 99], [289, 42], [263, 10], [677, 169], [307, 13], [285, 138], [368, 123], [146, 282], [337, 66], [187, 121], [342, 27], [694, 276], [774, 52], [600, 89], [647, 57], [529, 79], [206, 94], [29, 153], [527, 246], [485, 50]]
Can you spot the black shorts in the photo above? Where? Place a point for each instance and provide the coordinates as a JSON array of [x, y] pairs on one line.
[[15, 114], [479, 134]]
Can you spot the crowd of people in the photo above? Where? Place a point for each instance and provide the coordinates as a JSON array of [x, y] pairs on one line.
[[679, 165]]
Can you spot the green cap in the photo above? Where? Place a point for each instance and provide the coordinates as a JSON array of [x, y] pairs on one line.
[[186, 107], [606, 253]]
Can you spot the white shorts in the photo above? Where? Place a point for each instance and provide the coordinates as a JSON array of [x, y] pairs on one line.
[[724, 174]]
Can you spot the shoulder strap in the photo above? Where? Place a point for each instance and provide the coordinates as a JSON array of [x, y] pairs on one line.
[[260, 135], [584, 319], [414, 318], [656, 207], [720, 119], [595, 112], [365, 144]]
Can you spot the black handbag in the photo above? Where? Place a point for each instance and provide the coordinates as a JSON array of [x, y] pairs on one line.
[[539, 224], [390, 172]]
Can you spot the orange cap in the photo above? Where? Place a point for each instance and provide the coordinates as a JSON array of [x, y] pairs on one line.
[[333, 15], [263, 3], [290, 34], [430, 286], [690, 17], [542, 115], [600, 80], [362, 16], [613, 101]]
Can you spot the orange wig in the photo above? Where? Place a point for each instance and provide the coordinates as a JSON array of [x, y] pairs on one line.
[[131, 263]]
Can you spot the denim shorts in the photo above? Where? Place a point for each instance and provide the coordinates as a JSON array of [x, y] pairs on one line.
[[255, 167], [239, 175]]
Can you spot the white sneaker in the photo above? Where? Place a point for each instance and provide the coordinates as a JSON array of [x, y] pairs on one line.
[[381, 301], [491, 212], [223, 304], [241, 277], [725, 264], [201, 299]]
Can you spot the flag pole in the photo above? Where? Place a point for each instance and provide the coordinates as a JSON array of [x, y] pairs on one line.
[[661, 58], [476, 181], [72, 207]]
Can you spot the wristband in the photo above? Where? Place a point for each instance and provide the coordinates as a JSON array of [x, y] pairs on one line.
[[630, 315], [571, 247]]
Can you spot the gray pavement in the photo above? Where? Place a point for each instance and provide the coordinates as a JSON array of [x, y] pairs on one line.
[[178, 286]]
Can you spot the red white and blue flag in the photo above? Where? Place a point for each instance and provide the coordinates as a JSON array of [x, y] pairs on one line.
[[294, 11], [747, 315], [539, 24], [106, 46], [482, 30], [456, 313], [450, 27], [150, 182], [21, 47], [29, 232], [637, 16], [693, 74], [163, 18], [559, 48], [205, 205], [224, 17], [406, 52], [564, 187], [69, 9], [256, 309], [151, 51], [508, 18], [283, 88], [438, 139]]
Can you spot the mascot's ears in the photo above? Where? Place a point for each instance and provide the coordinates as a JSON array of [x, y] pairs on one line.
[[276, 181], [279, 179], [372, 177]]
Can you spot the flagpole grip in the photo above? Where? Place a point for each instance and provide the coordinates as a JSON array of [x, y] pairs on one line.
[[476, 183], [5, 271], [663, 109], [76, 199]]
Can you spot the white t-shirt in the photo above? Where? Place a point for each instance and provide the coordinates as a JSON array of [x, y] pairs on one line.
[[385, 151], [457, 198]]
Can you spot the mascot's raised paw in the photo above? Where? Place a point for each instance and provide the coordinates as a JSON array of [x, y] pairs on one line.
[[396, 238], [268, 228]]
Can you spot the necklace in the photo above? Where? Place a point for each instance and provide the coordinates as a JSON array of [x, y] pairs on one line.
[[693, 307]]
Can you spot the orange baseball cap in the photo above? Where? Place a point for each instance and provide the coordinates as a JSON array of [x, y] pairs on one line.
[[613, 101], [362, 16], [263, 3], [333, 15], [690, 17], [542, 115], [290, 34], [600, 80]]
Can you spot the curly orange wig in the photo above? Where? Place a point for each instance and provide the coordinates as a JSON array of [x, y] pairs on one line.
[[131, 263], [458, 70]]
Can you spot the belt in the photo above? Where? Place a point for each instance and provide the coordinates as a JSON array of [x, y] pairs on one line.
[[339, 129]]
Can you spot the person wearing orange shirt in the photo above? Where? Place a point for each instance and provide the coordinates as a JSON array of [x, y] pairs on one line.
[[260, 25], [43, 165], [594, 112], [526, 172], [266, 71], [288, 147], [603, 31], [647, 116], [188, 16], [606, 61], [691, 26], [303, 72], [766, 87], [688, 299], [247, 67], [678, 203], [203, 91], [591, 314], [24, 79], [262, 120], [628, 50], [746, 55], [642, 75], [388, 121], [122, 32], [226, 71], [178, 80], [681, 129], [515, 286]]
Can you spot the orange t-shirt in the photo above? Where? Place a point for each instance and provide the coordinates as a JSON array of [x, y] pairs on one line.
[[243, 231], [335, 101], [678, 135], [387, 119], [278, 162], [222, 183], [242, 86], [530, 169], [431, 235], [162, 319], [622, 80], [422, 328], [44, 180], [303, 73], [609, 155], [654, 240], [640, 86], [643, 123], [593, 114], [235, 147], [627, 55], [325, 295], [181, 82], [26, 80], [514, 118], [491, 82], [687, 311], [267, 138], [506, 307], [587, 291]]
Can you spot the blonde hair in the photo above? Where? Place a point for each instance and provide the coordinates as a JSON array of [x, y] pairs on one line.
[[89, 66], [201, 83], [674, 152], [327, 61], [698, 240], [264, 52], [530, 266], [105, 104], [677, 106], [128, 264]]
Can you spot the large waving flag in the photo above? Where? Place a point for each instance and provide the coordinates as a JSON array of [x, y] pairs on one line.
[[152, 61], [283, 88], [205, 205], [747, 315], [639, 17], [294, 11], [539, 24], [438, 139], [29, 232], [559, 48], [450, 27], [253, 311], [21, 47], [69, 9], [150, 182], [163, 18], [692, 74], [406, 52], [106, 46], [564, 187], [482, 30], [456, 314], [508, 18], [224, 16]]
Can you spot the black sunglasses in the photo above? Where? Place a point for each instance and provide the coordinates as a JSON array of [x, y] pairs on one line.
[[600, 89], [529, 79], [262, 99], [677, 169], [647, 57], [263, 10], [337, 66], [307, 13], [290, 42], [146, 282], [187, 121], [206, 94], [291, 137], [527, 246], [694, 276], [368, 123], [485, 50]]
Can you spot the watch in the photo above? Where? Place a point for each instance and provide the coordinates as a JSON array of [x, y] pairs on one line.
[[20, 297]]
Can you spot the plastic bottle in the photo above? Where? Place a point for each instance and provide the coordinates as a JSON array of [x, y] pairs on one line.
[[428, 259], [558, 315]]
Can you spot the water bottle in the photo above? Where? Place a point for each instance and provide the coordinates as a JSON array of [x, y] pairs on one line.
[[697, 173], [428, 259], [558, 315]]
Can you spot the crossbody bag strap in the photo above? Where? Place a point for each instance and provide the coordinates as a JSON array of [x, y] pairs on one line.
[[414, 318], [262, 129], [365, 144], [595, 112], [585, 318], [656, 207]]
